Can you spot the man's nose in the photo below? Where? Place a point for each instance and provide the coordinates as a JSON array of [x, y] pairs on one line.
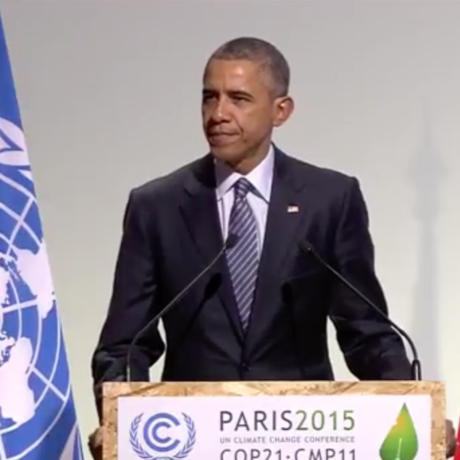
[[221, 111]]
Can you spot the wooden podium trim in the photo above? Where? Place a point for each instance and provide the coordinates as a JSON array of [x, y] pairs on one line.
[[113, 390]]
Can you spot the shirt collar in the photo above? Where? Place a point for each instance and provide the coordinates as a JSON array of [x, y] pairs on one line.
[[260, 177]]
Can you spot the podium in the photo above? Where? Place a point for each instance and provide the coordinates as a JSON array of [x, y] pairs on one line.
[[386, 420]]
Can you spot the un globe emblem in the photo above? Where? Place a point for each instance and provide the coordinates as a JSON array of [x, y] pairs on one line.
[[162, 436], [34, 381]]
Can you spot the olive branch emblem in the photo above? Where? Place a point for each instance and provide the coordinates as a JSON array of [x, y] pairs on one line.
[[144, 455]]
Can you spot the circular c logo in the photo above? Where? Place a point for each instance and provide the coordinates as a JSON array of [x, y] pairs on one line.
[[154, 429]]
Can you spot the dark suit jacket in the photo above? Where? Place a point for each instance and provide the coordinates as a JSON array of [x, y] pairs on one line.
[[172, 231]]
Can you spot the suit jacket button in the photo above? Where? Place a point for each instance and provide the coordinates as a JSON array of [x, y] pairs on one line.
[[245, 367]]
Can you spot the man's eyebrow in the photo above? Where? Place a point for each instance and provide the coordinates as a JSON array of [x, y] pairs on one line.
[[233, 93]]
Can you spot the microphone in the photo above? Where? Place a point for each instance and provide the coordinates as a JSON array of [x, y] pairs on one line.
[[416, 368], [230, 242]]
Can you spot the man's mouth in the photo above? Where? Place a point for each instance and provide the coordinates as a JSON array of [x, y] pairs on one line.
[[221, 137]]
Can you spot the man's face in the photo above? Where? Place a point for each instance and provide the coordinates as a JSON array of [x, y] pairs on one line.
[[238, 109]]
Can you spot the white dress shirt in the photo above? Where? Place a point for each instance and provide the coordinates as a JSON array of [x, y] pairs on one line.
[[261, 179]]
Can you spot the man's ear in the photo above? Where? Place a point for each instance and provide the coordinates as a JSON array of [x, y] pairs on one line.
[[284, 106]]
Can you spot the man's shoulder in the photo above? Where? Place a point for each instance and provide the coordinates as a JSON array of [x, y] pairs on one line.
[[319, 177], [166, 185]]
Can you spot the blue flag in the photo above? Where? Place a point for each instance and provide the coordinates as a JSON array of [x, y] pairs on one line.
[[37, 413]]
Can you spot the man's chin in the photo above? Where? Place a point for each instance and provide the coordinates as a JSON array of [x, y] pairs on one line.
[[226, 154]]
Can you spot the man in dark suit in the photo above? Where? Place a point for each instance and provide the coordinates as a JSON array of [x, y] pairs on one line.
[[261, 312]]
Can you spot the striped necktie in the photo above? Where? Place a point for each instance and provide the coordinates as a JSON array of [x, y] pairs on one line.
[[243, 257]]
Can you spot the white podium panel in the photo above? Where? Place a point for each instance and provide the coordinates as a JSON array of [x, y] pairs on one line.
[[294, 427]]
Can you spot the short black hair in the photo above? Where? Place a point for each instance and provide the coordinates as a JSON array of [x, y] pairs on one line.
[[261, 52]]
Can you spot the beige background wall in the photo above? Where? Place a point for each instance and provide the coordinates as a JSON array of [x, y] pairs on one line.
[[110, 93]]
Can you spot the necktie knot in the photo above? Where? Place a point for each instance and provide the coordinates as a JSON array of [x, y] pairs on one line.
[[242, 187]]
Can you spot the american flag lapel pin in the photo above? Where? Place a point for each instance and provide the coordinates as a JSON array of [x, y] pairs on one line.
[[292, 209]]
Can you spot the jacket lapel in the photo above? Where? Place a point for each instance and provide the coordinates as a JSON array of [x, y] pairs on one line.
[[285, 215], [201, 216]]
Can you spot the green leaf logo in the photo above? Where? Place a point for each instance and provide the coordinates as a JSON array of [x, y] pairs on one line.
[[401, 442]]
